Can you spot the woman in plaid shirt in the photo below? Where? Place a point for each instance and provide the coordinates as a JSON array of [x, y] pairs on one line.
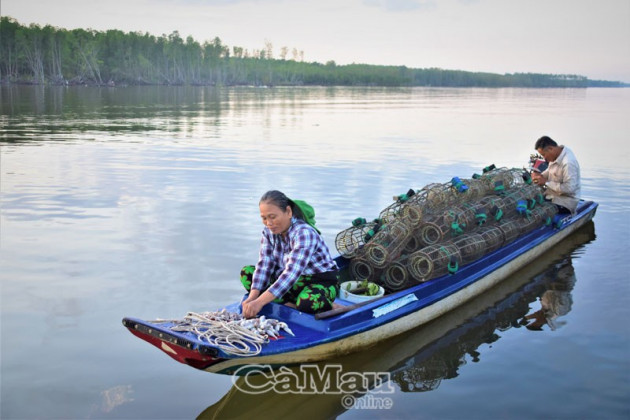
[[295, 266]]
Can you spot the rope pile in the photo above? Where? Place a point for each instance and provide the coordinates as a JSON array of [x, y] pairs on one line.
[[429, 232], [230, 332]]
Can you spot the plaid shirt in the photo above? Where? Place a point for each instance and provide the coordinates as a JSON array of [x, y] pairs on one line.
[[302, 252]]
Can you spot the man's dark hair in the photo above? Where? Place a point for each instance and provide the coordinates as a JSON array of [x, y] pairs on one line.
[[543, 142]]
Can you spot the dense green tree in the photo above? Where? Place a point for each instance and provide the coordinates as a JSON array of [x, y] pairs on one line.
[[32, 54], [8, 49]]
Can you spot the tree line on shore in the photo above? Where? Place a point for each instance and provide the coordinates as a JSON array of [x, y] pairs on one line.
[[49, 55]]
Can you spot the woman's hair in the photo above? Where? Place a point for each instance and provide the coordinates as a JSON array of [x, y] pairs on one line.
[[278, 199]]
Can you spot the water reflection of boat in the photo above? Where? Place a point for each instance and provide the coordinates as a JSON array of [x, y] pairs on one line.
[[443, 357], [421, 359], [377, 321]]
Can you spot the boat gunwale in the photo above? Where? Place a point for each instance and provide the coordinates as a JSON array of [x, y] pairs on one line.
[[361, 320]]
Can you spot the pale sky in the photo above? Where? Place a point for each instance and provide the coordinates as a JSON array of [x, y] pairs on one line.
[[585, 37]]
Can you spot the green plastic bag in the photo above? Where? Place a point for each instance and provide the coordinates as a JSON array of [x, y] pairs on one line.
[[308, 211]]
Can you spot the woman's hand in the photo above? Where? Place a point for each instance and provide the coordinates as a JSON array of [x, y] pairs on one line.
[[251, 309], [254, 303]]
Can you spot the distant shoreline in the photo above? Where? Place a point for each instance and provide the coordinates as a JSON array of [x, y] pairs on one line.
[[34, 55], [127, 85]]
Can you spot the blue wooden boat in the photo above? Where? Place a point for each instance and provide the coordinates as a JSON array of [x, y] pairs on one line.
[[419, 360], [356, 327]]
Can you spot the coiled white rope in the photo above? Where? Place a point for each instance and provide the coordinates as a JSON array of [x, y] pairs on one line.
[[231, 332]]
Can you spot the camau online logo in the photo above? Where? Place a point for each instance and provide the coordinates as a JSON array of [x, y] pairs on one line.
[[310, 379]]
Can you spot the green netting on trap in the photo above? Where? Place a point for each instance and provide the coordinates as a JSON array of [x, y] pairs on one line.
[[432, 231], [361, 269], [511, 230], [396, 276], [433, 261], [402, 210], [349, 242], [470, 246], [545, 212], [388, 244], [493, 237]]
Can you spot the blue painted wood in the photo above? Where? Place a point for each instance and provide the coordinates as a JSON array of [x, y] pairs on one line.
[[310, 332]]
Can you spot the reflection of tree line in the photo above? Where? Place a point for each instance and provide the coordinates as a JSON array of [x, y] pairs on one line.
[[419, 360], [48, 54]]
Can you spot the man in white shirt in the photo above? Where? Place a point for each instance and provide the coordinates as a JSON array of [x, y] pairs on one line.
[[562, 177]]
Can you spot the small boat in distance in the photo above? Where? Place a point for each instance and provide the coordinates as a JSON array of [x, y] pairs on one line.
[[358, 326]]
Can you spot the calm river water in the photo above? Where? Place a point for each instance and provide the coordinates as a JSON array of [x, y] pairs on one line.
[[143, 202]]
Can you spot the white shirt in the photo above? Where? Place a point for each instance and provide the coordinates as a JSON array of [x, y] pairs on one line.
[[563, 180]]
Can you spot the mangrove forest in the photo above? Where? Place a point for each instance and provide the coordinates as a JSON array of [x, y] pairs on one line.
[[49, 55]]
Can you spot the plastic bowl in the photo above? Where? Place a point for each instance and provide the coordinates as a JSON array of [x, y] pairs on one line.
[[350, 297]]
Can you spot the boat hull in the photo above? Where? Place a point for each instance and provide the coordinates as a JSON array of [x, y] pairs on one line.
[[374, 322]]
